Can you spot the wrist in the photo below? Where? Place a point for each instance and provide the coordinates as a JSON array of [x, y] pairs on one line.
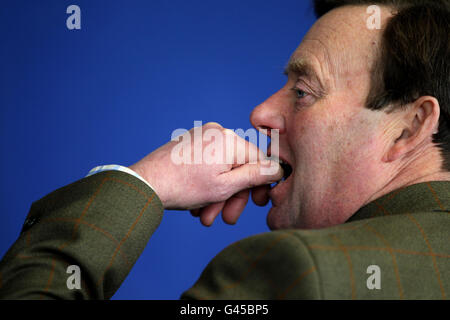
[[151, 180]]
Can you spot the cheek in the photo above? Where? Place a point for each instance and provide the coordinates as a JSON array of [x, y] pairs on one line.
[[307, 134], [314, 143], [360, 150], [342, 148], [342, 137]]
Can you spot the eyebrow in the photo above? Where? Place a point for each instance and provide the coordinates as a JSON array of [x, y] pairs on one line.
[[302, 68]]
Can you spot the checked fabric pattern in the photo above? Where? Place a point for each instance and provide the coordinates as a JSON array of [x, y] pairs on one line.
[[100, 223], [405, 233], [103, 222]]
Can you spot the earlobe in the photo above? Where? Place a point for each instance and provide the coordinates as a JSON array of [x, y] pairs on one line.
[[398, 149], [418, 125], [399, 142]]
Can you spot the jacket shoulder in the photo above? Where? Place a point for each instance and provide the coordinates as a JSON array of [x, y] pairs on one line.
[[272, 265], [409, 252]]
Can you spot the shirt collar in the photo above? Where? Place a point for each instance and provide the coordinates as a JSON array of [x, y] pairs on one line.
[[431, 196]]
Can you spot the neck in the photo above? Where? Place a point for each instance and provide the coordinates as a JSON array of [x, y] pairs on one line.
[[427, 167]]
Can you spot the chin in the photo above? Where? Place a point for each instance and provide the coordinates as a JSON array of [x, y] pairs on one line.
[[277, 219]]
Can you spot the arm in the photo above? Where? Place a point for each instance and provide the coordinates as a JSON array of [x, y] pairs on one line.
[[100, 223], [103, 222]]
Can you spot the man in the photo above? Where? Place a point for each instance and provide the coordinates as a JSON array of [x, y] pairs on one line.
[[363, 136]]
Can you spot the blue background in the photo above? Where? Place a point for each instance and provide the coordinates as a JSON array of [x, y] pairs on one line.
[[115, 90]]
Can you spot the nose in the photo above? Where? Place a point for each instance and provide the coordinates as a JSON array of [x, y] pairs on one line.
[[269, 114]]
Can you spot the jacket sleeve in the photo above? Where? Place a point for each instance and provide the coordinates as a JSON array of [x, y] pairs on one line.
[[81, 241]]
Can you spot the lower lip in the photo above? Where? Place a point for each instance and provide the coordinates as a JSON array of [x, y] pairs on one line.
[[278, 193]]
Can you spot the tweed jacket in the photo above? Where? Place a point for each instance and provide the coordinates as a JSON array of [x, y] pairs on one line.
[[396, 247]]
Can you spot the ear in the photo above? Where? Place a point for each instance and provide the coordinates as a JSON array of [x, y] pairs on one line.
[[420, 122]]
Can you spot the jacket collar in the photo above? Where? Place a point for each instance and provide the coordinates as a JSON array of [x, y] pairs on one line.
[[431, 196]]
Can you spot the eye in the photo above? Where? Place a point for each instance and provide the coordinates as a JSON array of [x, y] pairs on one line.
[[299, 93]]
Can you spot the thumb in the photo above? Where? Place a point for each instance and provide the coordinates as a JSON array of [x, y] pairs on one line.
[[253, 174]]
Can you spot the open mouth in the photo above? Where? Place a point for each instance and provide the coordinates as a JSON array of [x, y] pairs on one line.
[[287, 169]]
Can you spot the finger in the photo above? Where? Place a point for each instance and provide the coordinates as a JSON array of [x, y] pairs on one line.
[[240, 151], [251, 175], [209, 214], [234, 206], [260, 195], [210, 125]]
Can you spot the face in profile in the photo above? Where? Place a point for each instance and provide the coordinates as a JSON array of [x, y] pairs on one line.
[[330, 140]]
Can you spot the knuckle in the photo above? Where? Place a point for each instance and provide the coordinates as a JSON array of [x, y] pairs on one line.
[[228, 132], [213, 125], [222, 191], [254, 175]]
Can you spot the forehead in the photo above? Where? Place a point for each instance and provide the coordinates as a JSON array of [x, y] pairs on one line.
[[339, 44]]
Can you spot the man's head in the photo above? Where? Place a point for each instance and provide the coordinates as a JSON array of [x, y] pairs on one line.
[[363, 111]]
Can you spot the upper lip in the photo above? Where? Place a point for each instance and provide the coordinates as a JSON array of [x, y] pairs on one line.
[[277, 156]]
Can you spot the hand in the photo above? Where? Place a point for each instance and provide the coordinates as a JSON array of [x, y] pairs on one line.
[[207, 175]]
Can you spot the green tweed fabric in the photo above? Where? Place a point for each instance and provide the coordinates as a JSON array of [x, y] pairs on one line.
[[100, 223], [103, 222], [404, 233]]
